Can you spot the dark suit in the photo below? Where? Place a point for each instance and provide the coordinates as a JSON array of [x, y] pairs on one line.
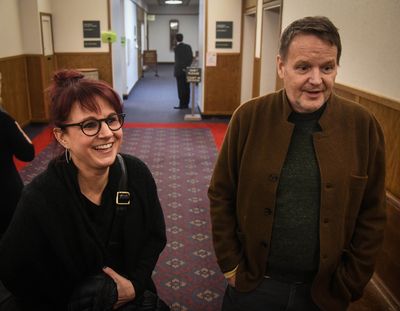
[[183, 59]]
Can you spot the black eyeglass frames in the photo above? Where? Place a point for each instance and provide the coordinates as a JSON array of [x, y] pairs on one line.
[[91, 127]]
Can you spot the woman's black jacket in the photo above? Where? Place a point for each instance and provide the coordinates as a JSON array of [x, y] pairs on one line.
[[51, 245]]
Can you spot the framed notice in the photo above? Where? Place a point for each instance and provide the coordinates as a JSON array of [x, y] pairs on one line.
[[223, 44], [91, 29], [92, 44], [193, 75], [224, 30]]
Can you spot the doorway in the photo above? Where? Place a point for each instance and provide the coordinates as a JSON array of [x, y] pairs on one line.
[[248, 50], [271, 26]]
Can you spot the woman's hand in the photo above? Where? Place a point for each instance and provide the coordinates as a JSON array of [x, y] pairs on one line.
[[126, 291], [232, 280]]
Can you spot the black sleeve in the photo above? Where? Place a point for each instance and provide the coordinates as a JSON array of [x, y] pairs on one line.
[[15, 139]]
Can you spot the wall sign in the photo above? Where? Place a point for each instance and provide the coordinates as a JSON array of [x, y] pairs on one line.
[[223, 44], [224, 30], [92, 44], [91, 29]]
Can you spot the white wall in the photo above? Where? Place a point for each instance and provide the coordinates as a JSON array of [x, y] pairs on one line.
[[118, 50], [44, 6], [159, 34], [370, 33], [201, 59], [131, 46], [224, 10], [67, 23], [10, 36], [270, 46], [249, 34], [30, 25]]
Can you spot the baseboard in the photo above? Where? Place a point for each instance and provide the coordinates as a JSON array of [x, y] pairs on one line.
[[385, 293]]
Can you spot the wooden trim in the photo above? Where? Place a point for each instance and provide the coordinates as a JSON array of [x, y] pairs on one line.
[[393, 200], [386, 101], [222, 85], [80, 53], [386, 299], [256, 76], [249, 4], [14, 57]]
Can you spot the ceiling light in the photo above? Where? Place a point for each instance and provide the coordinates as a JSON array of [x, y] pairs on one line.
[[173, 2]]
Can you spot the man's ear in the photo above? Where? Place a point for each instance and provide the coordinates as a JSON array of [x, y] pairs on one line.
[[59, 135], [280, 67]]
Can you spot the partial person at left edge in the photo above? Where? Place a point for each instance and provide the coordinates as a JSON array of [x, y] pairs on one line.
[[75, 243], [13, 142]]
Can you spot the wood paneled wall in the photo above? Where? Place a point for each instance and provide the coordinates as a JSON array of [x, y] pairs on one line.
[[222, 85], [101, 61], [388, 265], [36, 88], [387, 112], [15, 88]]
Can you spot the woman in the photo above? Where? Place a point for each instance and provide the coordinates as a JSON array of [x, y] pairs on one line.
[[13, 142], [65, 228]]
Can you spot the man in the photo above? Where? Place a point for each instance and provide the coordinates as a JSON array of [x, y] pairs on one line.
[[183, 58], [297, 195]]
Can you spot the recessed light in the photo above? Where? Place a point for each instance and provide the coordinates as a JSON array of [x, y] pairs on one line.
[[173, 2]]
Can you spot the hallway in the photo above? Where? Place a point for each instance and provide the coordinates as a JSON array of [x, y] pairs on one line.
[[153, 98]]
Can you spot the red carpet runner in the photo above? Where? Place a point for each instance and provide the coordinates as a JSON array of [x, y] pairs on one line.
[[181, 158]]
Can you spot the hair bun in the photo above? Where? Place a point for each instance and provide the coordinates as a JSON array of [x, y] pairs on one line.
[[67, 77]]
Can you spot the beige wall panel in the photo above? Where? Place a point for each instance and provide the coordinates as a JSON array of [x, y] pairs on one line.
[[222, 85], [15, 88]]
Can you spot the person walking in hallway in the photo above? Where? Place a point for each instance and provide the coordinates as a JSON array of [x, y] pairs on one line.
[[183, 58], [297, 196]]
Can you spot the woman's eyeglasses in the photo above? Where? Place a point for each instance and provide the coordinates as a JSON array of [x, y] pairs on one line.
[[91, 127]]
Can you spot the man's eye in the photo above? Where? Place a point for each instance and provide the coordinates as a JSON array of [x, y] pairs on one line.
[[90, 124], [327, 69], [302, 68]]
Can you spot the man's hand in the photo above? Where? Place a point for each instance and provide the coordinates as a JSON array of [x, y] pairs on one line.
[[126, 291]]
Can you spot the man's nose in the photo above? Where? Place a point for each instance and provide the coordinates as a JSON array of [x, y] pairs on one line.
[[315, 76]]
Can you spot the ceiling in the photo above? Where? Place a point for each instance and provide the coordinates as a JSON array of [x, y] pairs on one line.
[[161, 3]]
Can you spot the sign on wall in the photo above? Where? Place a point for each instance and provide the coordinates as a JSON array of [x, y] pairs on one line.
[[223, 44], [91, 29], [224, 30]]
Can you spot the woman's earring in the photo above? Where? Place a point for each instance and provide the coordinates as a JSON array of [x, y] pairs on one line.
[[67, 155]]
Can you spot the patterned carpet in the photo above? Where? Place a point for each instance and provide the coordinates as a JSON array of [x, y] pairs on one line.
[[181, 159]]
